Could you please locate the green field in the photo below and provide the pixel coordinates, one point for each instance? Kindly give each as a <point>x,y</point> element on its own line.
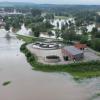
<point>27,39</point>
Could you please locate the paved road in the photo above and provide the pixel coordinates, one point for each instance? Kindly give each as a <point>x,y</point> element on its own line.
<point>90,54</point>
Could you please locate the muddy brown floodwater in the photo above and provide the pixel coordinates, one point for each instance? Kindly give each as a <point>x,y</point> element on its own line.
<point>27,84</point>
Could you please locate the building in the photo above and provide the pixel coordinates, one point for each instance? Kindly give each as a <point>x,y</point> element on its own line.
<point>2,23</point>
<point>72,53</point>
<point>80,46</point>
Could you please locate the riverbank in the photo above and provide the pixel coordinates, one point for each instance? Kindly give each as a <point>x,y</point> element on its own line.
<point>27,39</point>
<point>78,70</point>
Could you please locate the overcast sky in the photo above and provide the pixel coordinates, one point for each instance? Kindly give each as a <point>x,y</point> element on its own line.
<point>59,1</point>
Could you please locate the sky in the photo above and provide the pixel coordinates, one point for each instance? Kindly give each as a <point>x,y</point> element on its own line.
<point>59,1</point>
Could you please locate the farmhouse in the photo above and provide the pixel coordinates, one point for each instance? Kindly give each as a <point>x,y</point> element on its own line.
<point>72,53</point>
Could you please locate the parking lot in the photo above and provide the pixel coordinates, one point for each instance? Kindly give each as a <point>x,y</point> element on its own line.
<point>90,55</point>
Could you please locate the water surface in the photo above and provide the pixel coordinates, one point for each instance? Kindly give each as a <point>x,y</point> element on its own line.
<point>27,84</point>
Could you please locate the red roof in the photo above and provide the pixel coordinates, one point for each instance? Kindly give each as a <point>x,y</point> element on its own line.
<point>80,46</point>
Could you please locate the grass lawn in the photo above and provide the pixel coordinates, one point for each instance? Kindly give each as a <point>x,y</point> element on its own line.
<point>87,74</point>
<point>27,39</point>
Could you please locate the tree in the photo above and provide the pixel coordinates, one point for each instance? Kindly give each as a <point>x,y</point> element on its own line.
<point>94,30</point>
<point>69,35</point>
<point>7,27</point>
<point>49,16</point>
<point>95,44</point>
<point>48,25</point>
<point>36,33</point>
<point>63,27</point>
<point>16,25</point>
<point>13,21</point>
<point>50,33</point>
<point>70,23</point>
<point>41,26</point>
<point>66,24</point>
<point>95,33</point>
<point>36,12</point>
<point>84,30</point>
<point>78,22</point>
<point>57,33</point>
<point>84,39</point>
<point>58,25</point>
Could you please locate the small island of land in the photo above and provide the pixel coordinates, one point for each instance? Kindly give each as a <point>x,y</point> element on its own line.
<point>79,70</point>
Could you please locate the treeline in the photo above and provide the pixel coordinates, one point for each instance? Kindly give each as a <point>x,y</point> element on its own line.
<point>13,21</point>
<point>58,9</point>
<point>34,20</point>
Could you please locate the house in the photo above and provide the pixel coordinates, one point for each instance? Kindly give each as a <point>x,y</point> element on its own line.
<point>72,53</point>
<point>80,46</point>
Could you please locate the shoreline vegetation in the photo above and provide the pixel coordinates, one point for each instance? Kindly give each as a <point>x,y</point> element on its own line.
<point>6,83</point>
<point>77,70</point>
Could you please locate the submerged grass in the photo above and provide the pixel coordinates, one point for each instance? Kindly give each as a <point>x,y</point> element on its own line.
<point>6,83</point>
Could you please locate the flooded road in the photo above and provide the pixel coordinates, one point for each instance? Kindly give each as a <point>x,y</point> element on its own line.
<point>27,84</point>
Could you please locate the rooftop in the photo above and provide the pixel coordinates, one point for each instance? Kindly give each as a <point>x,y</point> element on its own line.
<point>73,50</point>
<point>79,45</point>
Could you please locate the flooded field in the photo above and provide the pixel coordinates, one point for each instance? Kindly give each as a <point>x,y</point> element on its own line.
<point>27,84</point>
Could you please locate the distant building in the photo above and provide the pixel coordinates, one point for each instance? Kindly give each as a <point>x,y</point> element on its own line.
<point>72,53</point>
<point>2,23</point>
<point>13,12</point>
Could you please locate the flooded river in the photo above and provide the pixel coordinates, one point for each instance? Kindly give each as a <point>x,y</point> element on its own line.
<point>27,84</point>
